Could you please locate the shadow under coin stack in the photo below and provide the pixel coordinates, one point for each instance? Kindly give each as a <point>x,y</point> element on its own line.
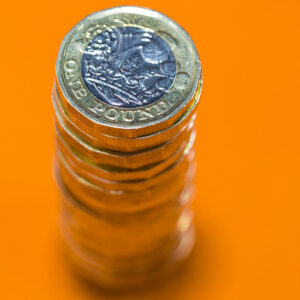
<point>128,81</point>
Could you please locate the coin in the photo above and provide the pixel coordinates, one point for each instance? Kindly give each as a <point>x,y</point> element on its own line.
<point>80,162</point>
<point>126,160</point>
<point>127,72</point>
<point>104,200</point>
<point>131,178</point>
<point>107,186</point>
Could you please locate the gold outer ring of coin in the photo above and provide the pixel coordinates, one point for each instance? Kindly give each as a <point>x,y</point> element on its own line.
<point>78,161</point>
<point>131,161</point>
<point>126,181</point>
<point>125,202</point>
<point>105,141</point>
<point>97,199</point>
<point>84,146</point>
<point>120,159</point>
<point>84,108</point>
<point>137,184</point>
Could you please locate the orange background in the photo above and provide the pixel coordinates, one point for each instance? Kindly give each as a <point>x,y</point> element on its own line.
<point>247,205</point>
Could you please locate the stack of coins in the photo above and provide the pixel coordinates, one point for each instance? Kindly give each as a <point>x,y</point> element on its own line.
<point>128,81</point>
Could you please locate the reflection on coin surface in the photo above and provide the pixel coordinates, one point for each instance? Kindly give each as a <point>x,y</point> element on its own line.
<point>128,67</point>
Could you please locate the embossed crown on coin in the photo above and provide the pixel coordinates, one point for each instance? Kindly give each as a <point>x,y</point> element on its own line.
<point>128,67</point>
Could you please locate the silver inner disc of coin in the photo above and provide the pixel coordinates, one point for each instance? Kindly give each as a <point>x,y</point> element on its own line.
<point>128,67</point>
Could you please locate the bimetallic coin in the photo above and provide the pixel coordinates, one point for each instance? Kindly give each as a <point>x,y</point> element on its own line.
<point>179,167</point>
<point>80,163</point>
<point>121,159</point>
<point>127,72</point>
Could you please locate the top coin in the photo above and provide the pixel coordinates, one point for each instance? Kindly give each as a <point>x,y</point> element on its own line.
<point>127,71</point>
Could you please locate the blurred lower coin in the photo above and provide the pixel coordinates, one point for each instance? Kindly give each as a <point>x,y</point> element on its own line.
<point>91,270</point>
<point>79,162</point>
<point>179,166</point>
